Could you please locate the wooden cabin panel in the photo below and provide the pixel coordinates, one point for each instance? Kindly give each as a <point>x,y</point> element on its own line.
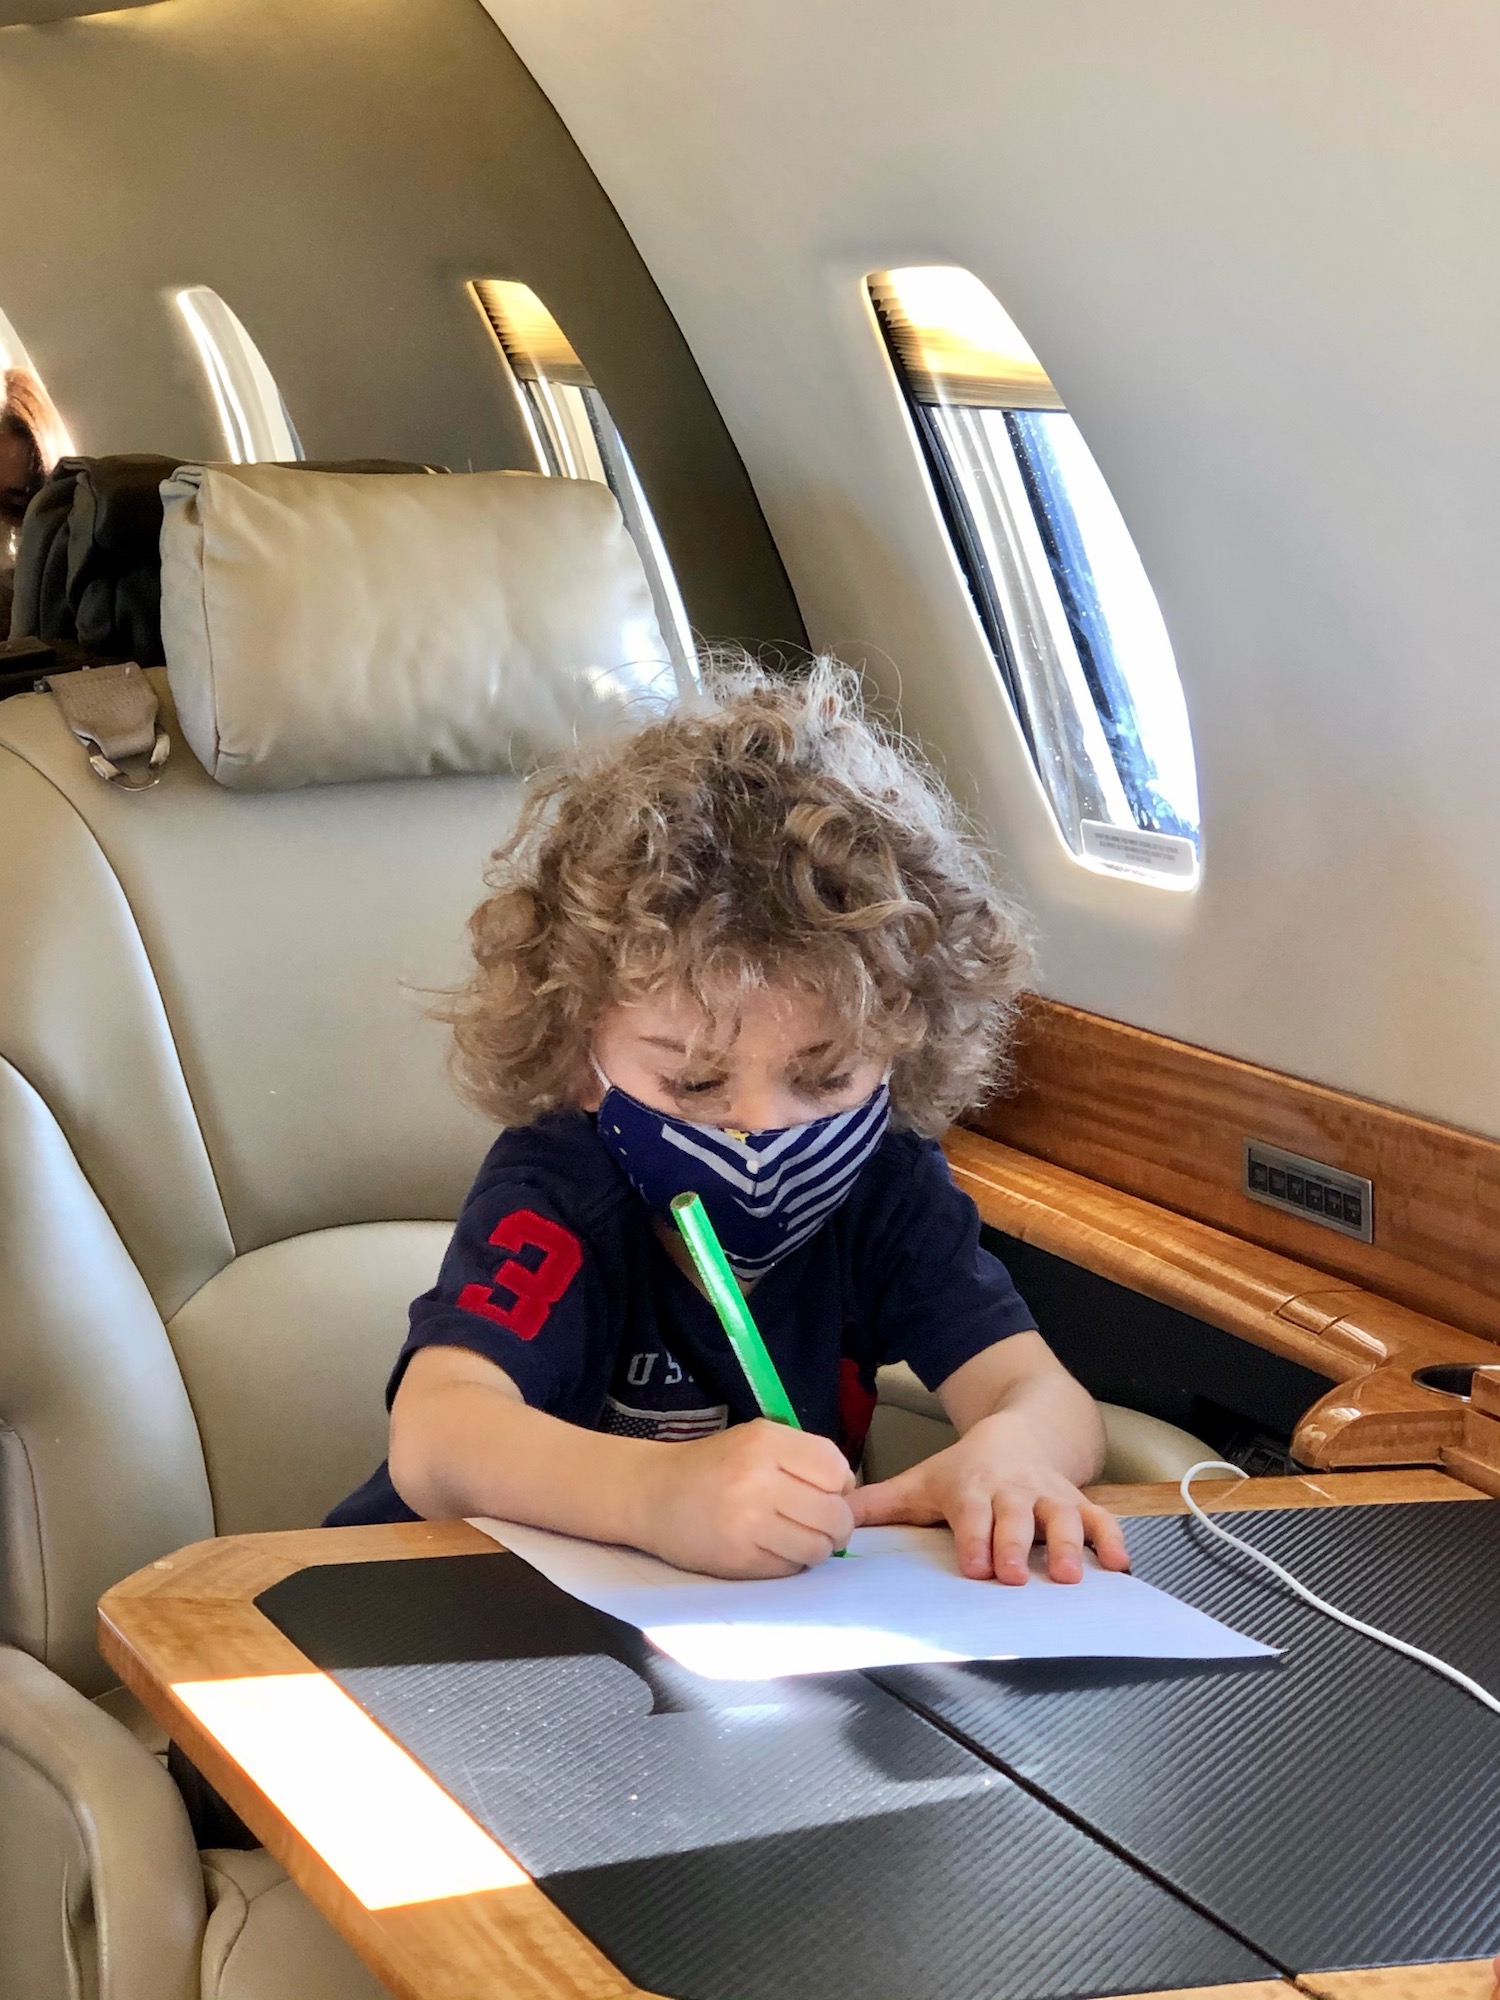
<point>1160,1119</point>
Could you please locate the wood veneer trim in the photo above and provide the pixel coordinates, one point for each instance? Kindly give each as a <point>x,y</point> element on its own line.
<point>191,1617</point>
<point>1165,1121</point>
<point>1465,1979</point>
<point>1367,1346</point>
<point>1247,1496</point>
<point>1474,1467</point>
<point>235,1568</point>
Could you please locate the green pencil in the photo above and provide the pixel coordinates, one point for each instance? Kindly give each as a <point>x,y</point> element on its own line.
<point>728,1302</point>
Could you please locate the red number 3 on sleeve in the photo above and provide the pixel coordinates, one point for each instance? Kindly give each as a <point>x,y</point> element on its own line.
<point>533,1292</point>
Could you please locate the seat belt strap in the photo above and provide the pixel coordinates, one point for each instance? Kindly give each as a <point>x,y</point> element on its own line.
<point>112,711</point>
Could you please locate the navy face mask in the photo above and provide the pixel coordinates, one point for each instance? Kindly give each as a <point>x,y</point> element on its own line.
<point>766,1192</point>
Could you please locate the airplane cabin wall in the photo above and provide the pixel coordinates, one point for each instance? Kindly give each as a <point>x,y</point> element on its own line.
<point>1254,248</point>
<point>337,172</point>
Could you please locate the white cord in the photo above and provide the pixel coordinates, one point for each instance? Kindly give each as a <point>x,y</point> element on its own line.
<point>1396,1645</point>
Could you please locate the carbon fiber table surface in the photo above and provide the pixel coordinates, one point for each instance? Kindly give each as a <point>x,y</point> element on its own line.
<point>800,1840</point>
<point>1337,1808</point>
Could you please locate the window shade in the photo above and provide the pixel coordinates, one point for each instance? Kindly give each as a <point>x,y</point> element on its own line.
<point>956,344</point>
<point>530,338</point>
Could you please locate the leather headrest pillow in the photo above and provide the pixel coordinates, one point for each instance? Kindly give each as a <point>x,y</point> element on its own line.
<point>321,627</point>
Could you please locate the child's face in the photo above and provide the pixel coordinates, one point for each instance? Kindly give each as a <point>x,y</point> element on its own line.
<point>779,1069</point>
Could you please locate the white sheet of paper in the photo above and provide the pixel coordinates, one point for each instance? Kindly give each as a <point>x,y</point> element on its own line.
<point>896,1600</point>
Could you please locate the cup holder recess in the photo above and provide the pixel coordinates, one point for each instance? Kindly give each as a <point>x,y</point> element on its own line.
<point>1448,1377</point>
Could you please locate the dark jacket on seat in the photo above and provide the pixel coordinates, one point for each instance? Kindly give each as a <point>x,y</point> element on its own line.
<point>88,571</point>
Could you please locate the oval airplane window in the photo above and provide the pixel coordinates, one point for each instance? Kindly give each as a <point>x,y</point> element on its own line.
<point>574,437</point>
<point>1056,581</point>
<point>252,412</point>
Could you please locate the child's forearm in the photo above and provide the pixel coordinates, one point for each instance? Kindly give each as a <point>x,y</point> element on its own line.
<point>1020,1387</point>
<point>1059,1422</point>
<point>463,1445</point>
<point>756,1500</point>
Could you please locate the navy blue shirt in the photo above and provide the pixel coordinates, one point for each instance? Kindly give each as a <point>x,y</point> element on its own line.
<point>557,1276</point>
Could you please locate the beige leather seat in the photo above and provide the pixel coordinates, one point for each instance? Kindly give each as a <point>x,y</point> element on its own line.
<point>228,1154</point>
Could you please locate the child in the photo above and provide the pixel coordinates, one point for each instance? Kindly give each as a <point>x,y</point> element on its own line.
<point>748,951</point>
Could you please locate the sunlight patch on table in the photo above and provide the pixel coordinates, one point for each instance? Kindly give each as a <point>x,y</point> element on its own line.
<point>371,1812</point>
<point>751,1652</point>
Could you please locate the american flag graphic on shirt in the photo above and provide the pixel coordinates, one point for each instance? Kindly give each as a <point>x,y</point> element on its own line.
<point>662,1426</point>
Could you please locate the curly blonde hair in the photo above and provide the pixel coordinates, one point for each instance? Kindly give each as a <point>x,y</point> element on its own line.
<point>773,834</point>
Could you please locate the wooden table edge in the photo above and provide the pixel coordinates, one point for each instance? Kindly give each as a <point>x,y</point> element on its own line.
<point>1456,1979</point>
<point>515,1935</point>
<point>1385,1486</point>
<point>211,1585</point>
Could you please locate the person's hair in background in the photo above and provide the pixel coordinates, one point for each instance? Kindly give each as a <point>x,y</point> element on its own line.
<point>32,440</point>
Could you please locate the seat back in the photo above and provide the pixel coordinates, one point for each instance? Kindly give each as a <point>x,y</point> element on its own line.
<point>228,1150</point>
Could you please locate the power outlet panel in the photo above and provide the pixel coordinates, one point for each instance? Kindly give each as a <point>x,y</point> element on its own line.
<point>1325,1195</point>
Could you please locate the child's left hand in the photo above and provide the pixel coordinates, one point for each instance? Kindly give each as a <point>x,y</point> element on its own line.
<point>998,1497</point>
